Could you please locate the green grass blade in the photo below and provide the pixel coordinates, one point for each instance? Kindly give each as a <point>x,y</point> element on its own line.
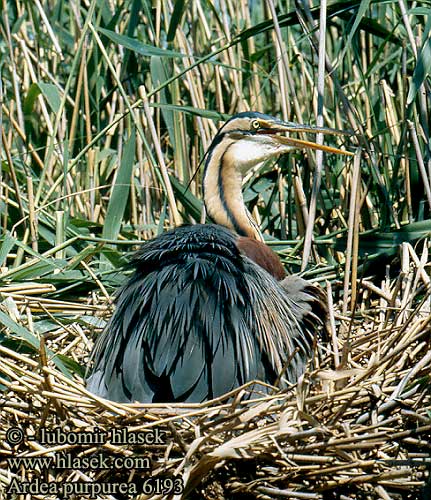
<point>138,47</point>
<point>31,340</point>
<point>120,191</point>
<point>177,15</point>
<point>421,71</point>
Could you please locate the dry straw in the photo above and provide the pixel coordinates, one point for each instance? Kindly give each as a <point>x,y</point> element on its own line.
<point>360,431</point>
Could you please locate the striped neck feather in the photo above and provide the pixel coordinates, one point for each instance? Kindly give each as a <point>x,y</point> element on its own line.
<point>222,187</point>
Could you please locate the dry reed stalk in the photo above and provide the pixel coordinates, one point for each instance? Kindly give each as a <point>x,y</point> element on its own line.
<point>347,440</point>
<point>163,169</point>
<point>351,250</point>
<point>317,179</point>
<point>420,160</point>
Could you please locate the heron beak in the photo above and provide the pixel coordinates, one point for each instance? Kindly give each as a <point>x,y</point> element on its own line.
<point>278,126</point>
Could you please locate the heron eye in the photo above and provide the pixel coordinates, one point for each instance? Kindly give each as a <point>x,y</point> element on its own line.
<point>255,124</point>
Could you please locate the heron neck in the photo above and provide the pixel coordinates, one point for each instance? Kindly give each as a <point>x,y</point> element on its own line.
<point>222,187</point>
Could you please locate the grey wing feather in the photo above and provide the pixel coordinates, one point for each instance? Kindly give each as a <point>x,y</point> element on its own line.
<point>192,324</point>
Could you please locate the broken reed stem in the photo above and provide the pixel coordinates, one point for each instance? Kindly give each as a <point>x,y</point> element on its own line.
<point>59,235</point>
<point>32,215</point>
<point>351,238</point>
<point>332,325</point>
<point>355,243</point>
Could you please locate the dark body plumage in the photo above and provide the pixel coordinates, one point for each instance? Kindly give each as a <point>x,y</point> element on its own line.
<point>184,330</point>
<point>207,308</point>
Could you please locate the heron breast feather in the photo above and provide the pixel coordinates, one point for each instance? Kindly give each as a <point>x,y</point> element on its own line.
<point>262,255</point>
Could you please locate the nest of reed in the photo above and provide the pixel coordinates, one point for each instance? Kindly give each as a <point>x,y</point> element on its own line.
<point>356,426</point>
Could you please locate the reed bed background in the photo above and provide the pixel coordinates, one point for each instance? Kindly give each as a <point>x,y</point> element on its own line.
<point>107,109</point>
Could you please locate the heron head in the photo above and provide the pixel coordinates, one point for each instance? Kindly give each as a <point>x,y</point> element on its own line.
<point>254,137</point>
<point>245,141</point>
